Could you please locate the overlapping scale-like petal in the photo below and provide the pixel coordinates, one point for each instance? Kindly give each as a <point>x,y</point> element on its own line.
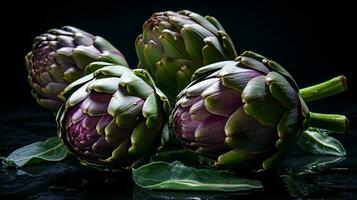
<point>60,57</point>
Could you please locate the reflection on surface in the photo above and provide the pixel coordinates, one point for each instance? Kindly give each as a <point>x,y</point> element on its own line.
<point>143,194</point>
<point>304,177</point>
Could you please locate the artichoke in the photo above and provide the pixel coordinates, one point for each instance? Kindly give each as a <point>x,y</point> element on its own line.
<point>113,118</point>
<point>59,57</point>
<point>174,44</point>
<point>246,113</point>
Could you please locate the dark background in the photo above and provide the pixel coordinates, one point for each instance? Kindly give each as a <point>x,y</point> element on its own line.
<point>315,41</point>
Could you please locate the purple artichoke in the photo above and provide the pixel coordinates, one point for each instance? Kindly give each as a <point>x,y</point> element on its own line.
<point>59,57</point>
<point>245,113</point>
<point>113,118</point>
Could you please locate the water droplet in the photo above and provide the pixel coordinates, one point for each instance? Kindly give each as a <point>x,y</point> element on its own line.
<point>17,154</point>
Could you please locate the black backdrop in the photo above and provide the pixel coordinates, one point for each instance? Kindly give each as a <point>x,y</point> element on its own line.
<point>314,41</point>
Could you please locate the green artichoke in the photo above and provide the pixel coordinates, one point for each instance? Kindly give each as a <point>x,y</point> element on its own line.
<point>113,118</point>
<point>59,57</point>
<point>174,44</point>
<point>246,113</point>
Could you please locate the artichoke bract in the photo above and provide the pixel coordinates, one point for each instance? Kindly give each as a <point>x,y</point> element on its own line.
<point>59,57</point>
<point>245,113</point>
<point>174,44</point>
<point>113,118</point>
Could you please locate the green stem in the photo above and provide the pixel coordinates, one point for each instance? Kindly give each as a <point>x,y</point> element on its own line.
<point>324,89</point>
<point>332,122</point>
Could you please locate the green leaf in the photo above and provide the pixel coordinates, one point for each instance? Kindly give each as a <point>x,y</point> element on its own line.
<point>51,150</point>
<point>317,141</point>
<point>176,176</point>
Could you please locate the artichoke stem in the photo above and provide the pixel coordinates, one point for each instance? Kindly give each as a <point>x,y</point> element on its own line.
<point>324,89</point>
<point>332,122</point>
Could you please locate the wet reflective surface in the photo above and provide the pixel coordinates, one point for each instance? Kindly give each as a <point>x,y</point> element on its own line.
<point>309,176</point>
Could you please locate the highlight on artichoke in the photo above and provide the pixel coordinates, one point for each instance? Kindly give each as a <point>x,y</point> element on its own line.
<point>227,111</point>
<point>246,113</point>
<point>113,118</point>
<point>174,44</point>
<point>59,57</point>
